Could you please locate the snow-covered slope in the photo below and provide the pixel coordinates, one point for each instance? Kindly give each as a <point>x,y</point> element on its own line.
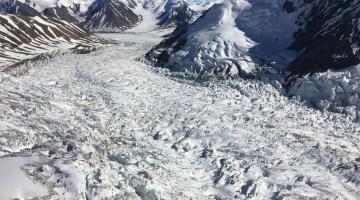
<point>41,5</point>
<point>228,39</point>
<point>157,14</point>
<point>23,38</point>
<point>235,35</point>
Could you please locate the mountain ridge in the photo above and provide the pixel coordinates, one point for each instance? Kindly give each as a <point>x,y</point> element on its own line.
<point>97,15</point>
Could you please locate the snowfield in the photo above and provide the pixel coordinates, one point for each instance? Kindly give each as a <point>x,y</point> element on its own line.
<point>107,125</point>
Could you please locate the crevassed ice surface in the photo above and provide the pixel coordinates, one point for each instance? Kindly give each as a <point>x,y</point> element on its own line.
<point>106,125</point>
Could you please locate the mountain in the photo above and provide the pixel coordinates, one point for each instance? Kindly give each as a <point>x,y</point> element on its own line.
<point>25,38</point>
<point>199,47</point>
<point>107,15</point>
<point>234,36</point>
<point>97,15</point>
<point>175,13</point>
<point>328,36</point>
<point>157,14</point>
<point>61,13</point>
<point>17,8</point>
<point>225,40</point>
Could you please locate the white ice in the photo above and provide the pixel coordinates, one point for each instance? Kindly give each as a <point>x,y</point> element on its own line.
<point>112,126</point>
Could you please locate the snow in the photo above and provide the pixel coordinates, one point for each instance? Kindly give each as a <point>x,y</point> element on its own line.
<point>143,37</point>
<point>148,22</point>
<point>74,181</point>
<point>41,5</point>
<point>212,39</point>
<point>233,37</point>
<point>108,125</point>
<point>14,183</point>
<point>202,5</point>
<point>42,21</point>
<point>151,12</point>
<point>337,91</point>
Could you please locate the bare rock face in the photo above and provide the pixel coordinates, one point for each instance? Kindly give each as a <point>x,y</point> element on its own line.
<point>328,36</point>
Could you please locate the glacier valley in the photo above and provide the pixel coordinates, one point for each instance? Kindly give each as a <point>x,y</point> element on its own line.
<point>107,125</point>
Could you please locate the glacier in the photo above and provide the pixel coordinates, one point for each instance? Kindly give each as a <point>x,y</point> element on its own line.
<point>108,125</point>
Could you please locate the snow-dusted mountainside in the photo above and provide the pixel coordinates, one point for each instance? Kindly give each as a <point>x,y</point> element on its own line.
<point>24,38</point>
<point>107,15</point>
<point>110,15</point>
<point>159,14</point>
<point>97,15</point>
<point>175,13</point>
<point>235,35</point>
